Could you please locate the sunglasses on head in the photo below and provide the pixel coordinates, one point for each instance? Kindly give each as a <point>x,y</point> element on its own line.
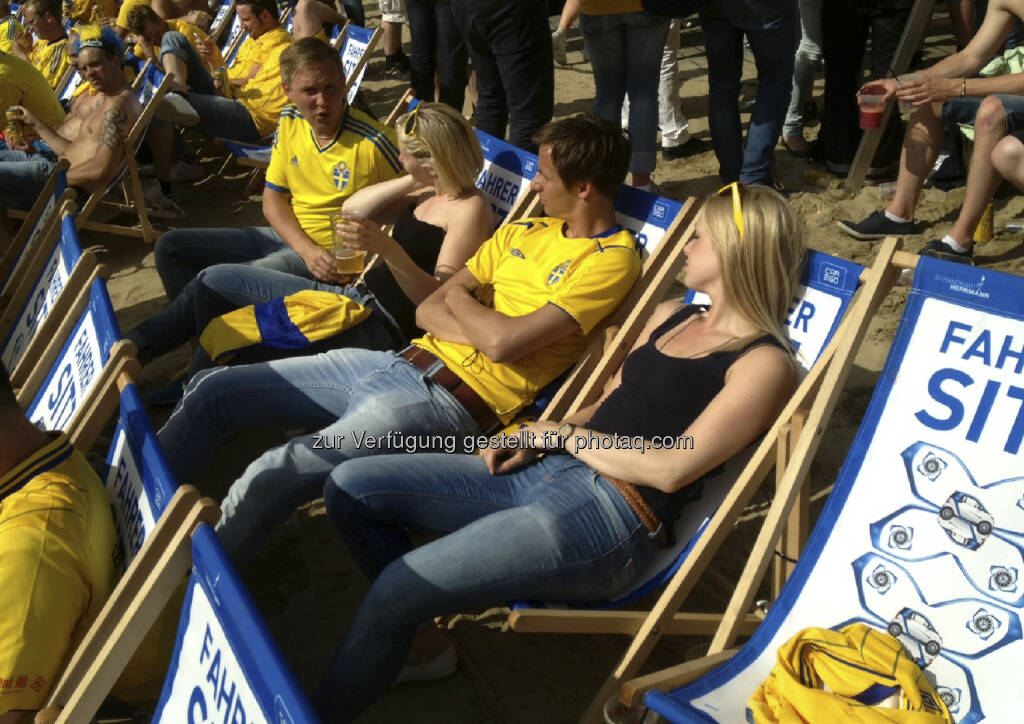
<point>737,207</point>
<point>410,122</point>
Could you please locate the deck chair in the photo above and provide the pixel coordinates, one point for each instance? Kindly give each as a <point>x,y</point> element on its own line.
<point>72,386</point>
<point>921,536</point>
<point>820,301</point>
<point>221,19</point>
<point>150,86</point>
<point>506,174</point>
<point>57,278</point>
<point>34,222</point>
<point>788,445</point>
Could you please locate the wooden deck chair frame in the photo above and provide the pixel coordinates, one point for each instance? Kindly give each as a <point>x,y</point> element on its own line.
<point>129,179</point>
<point>31,217</point>
<point>136,602</point>
<point>216,32</point>
<point>339,41</point>
<point>401,106</point>
<point>27,263</point>
<point>371,46</point>
<point>791,442</point>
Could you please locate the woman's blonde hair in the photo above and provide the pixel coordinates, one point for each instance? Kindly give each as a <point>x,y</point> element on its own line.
<point>443,140</point>
<point>761,271</point>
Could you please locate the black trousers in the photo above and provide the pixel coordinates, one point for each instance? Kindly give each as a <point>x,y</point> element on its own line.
<point>509,44</point>
<point>437,43</point>
<point>845,29</point>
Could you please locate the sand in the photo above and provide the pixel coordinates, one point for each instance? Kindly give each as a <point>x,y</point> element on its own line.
<point>304,582</point>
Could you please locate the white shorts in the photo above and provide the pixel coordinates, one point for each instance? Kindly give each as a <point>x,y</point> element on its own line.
<point>393,11</point>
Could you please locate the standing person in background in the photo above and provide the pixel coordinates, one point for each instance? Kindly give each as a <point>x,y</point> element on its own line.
<point>570,11</point>
<point>625,45</point>
<point>392,13</point>
<point>10,28</point>
<point>770,27</point>
<point>509,46</point>
<point>436,43</point>
<point>808,57</point>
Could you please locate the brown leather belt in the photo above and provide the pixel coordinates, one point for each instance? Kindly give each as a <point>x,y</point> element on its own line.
<point>655,527</point>
<point>466,395</point>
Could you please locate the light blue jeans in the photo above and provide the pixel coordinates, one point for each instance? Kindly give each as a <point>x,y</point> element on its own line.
<point>221,117</point>
<point>22,176</point>
<point>625,51</point>
<point>348,394</point>
<point>808,57</point>
<point>554,530</point>
<point>199,78</point>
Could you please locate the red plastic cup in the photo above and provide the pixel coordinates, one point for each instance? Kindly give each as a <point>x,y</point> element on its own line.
<point>871,109</point>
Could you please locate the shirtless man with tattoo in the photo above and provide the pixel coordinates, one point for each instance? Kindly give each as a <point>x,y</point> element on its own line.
<point>91,138</point>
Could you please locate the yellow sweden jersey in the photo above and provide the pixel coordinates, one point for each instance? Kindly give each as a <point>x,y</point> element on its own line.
<point>320,179</point>
<point>92,12</point>
<point>57,545</point>
<point>263,95</point>
<point>531,263</point>
<point>51,59</point>
<point>21,83</point>
<point>9,28</point>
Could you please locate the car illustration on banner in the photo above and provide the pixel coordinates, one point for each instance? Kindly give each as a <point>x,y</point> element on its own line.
<point>965,520</point>
<point>917,635</point>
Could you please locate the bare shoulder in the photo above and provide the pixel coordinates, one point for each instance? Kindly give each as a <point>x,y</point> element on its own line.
<point>764,364</point>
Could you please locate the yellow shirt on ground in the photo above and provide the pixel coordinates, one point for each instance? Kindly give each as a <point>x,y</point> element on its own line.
<point>263,95</point>
<point>57,548</point>
<point>50,59</point>
<point>320,179</point>
<point>92,12</point>
<point>22,84</point>
<point>531,263</point>
<point>9,29</point>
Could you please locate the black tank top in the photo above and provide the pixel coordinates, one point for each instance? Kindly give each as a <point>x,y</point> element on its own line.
<point>661,395</point>
<point>422,242</point>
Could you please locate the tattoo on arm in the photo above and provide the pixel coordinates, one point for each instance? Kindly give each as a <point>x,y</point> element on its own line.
<point>114,122</point>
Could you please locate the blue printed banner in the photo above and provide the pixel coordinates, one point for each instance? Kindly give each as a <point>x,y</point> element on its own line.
<point>648,216</point>
<point>923,534</point>
<point>225,666</point>
<point>506,174</point>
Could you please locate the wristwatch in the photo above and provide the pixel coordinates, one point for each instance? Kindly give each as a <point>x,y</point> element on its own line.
<point>565,431</point>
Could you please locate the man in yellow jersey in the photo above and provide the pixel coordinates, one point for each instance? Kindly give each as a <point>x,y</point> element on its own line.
<point>57,547</point>
<point>47,53</point>
<point>550,281</point>
<point>174,46</point>
<point>10,28</point>
<point>21,84</point>
<point>255,77</point>
<point>166,9</point>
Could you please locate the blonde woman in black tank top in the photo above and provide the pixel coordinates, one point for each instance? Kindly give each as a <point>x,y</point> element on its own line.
<point>577,523</point>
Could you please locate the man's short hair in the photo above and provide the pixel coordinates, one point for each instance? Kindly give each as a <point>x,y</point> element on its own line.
<point>303,52</point>
<point>258,6</point>
<point>45,6</point>
<point>138,17</point>
<point>587,148</point>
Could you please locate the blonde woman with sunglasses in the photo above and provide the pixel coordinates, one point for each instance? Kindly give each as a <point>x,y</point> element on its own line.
<point>577,514</point>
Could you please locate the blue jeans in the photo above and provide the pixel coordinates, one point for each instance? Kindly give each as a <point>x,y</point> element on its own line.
<point>625,50</point>
<point>808,57</point>
<point>554,530</point>
<point>22,177</point>
<point>182,253</point>
<point>509,44</point>
<point>965,110</point>
<point>769,26</point>
<point>199,78</point>
<point>223,288</point>
<point>436,42</point>
<point>345,393</point>
<point>221,117</point>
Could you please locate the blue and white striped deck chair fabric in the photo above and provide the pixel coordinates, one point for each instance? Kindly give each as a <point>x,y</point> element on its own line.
<point>74,79</point>
<point>357,41</point>
<point>226,666</point>
<point>229,48</point>
<point>77,368</point>
<point>138,480</point>
<point>647,215</point>
<point>37,227</point>
<point>923,533</point>
<point>220,18</point>
<point>506,174</point>
<point>827,287</point>
<point>47,288</point>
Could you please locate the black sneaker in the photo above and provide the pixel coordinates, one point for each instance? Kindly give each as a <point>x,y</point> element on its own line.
<point>941,250</point>
<point>876,226</point>
<point>397,64</point>
<point>692,147</point>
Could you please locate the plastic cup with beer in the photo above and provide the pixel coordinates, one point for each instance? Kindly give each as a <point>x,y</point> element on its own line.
<point>349,259</point>
<point>901,80</point>
<point>872,105</point>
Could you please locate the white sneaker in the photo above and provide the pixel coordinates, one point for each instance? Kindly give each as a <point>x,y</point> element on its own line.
<point>558,42</point>
<point>158,205</point>
<point>173,108</point>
